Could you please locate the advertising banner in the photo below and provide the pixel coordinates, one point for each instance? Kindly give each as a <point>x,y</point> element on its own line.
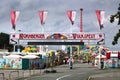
<point>14,38</point>
<point>60,36</point>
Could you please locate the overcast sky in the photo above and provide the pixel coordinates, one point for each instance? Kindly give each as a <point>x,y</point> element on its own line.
<point>57,20</point>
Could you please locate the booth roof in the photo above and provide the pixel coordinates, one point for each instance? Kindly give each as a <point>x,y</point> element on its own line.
<point>30,56</point>
<point>12,56</point>
<point>114,55</point>
<point>100,56</point>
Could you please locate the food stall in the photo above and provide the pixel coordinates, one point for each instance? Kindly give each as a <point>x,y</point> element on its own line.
<point>31,61</point>
<point>16,61</point>
<point>98,58</point>
<point>13,61</point>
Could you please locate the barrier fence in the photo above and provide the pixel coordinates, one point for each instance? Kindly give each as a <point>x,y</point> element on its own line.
<point>18,74</point>
<point>2,74</point>
<point>10,75</point>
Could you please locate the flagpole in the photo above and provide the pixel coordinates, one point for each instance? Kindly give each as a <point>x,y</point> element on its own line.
<point>43,40</point>
<point>71,45</point>
<point>71,15</point>
<point>100,18</point>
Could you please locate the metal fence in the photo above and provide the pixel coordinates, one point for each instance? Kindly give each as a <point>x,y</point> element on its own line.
<point>18,74</point>
<point>2,76</point>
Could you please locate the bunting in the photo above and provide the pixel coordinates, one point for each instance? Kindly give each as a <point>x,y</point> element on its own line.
<point>43,15</point>
<point>100,17</point>
<point>71,15</point>
<point>14,16</point>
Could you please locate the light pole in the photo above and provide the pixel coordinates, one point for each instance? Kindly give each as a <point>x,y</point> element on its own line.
<point>47,55</point>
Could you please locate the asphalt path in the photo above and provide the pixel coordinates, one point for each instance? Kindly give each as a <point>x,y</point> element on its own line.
<point>80,71</point>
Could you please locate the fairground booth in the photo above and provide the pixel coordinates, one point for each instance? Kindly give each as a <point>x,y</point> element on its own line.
<point>113,59</point>
<point>19,61</point>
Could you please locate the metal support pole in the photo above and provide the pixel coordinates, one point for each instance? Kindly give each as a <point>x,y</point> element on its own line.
<point>81,30</point>
<point>100,48</point>
<point>81,9</point>
<point>14,48</point>
<point>19,42</point>
<point>47,59</point>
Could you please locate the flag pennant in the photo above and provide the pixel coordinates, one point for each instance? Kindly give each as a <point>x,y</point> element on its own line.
<point>100,17</point>
<point>43,15</point>
<point>14,16</point>
<point>71,15</point>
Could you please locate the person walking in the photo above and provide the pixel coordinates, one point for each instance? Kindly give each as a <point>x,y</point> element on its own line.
<point>102,64</point>
<point>70,63</point>
<point>88,61</point>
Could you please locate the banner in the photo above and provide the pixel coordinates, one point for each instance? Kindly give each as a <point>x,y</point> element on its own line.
<point>14,16</point>
<point>71,15</point>
<point>43,15</point>
<point>60,36</point>
<point>100,17</point>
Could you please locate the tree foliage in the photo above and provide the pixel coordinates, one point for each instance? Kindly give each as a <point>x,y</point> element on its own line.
<point>112,19</point>
<point>4,42</point>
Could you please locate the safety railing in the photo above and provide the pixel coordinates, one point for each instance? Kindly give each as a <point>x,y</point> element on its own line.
<point>3,76</point>
<point>12,73</point>
<point>19,74</point>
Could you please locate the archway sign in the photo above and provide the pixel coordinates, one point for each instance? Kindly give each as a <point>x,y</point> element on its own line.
<point>56,38</point>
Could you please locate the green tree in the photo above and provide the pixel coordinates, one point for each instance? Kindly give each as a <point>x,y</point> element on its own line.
<point>4,40</point>
<point>4,43</point>
<point>112,19</point>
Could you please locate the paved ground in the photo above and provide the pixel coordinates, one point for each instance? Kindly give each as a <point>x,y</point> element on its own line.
<point>106,74</point>
<point>80,71</point>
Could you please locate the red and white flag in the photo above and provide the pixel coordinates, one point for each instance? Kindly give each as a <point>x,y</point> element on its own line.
<point>71,15</point>
<point>43,15</point>
<point>100,17</point>
<point>14,16</point>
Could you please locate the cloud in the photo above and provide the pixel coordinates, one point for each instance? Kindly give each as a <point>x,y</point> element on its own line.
<point>57,20</point>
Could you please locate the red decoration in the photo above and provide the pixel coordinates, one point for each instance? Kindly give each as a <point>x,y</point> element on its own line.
<point>71,15</point>
<point>14,16</point>
<point>108,55</point>
<point>43,15</point>
<point>100,17</point>
<point>118,54</point>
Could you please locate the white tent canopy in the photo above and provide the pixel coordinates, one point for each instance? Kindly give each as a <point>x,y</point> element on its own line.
<point>12,56</point>
<point>30,57</point>
<point>100,56</point>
